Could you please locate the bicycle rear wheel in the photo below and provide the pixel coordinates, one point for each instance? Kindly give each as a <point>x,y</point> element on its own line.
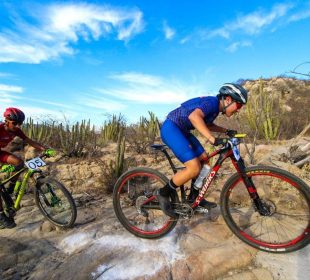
<point>55,202</point>
<point>287,226</point>
<point>131,191</point>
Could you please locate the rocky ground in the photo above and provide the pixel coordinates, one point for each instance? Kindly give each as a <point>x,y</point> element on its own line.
<point>98,247</point>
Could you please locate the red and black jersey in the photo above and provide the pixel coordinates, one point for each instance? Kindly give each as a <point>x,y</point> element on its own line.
<point>7,136</point>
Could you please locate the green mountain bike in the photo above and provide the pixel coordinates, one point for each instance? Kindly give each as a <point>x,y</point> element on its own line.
<point>53,199</point>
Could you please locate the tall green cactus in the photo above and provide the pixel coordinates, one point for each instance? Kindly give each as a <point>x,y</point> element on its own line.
<point>112,128</point>
<point>149,127</point>
<point>39,132</point>
<point>114,169</point>
<point>120,155</point>
<point>76,138</point>
<point>144,133</point>
<point>262,114</point>
<point>271,121</point>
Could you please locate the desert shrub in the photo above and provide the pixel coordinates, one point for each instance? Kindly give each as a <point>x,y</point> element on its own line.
<point>78,140</point>
<point>113,169</point>
<point>140,136</point>
<point>40,132</point>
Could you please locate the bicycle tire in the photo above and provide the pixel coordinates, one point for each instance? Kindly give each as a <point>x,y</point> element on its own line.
<point>140,181</point>
<point>287,228</point>
<point>55,202</point>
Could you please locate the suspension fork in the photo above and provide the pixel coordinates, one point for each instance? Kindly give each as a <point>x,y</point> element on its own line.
<point>22,189</point>
<point>240,166</point>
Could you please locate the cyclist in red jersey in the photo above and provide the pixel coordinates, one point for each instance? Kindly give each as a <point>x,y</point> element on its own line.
<point>8,131</point>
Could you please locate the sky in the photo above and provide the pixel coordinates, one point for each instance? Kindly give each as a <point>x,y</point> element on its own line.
<point>74,60</point>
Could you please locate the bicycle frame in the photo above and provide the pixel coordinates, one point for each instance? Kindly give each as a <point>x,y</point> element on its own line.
<point>237,161</point>
<point>21,189</point>
<point>223,153</point>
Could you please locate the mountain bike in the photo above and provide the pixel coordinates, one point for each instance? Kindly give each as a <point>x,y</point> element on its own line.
<point>52,198</point>
<point>266,207</point>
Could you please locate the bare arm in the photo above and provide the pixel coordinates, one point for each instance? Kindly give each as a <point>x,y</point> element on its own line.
<point>196,118</point>
<point>35,144</point>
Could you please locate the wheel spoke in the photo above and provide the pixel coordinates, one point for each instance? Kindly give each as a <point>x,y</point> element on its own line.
<point>288,219</point>
<point>56,203</point>
<point>137,208</point>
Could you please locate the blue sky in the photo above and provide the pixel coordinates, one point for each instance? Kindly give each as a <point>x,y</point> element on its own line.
<point>90,59</point>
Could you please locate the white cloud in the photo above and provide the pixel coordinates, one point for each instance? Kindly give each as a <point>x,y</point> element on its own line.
<point>55,104</point>
<point>185,40</point>
<point>9,93</point>
<point>10,89</point>
<point>42,114</point>
<point>99,102</point>
<point>168,31</point>
<point>299,16</point>
<point>252,23</point>
<point>5,75</point>
<point>146,89</point>
<point>222,32</point>
<point>62,26</point>
<point>137,78</point>
<point>236,45</point>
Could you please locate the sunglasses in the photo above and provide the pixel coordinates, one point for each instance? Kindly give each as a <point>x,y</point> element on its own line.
<point>12,122</point>
<point>239,105</point>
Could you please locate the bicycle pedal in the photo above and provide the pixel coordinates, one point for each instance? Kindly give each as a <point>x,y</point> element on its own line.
<point>201,210</point>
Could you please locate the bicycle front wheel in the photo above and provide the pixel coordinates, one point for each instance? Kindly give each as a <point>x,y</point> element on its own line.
<point>286,228</point>
<point>132,192</point>
<point>55,202</point>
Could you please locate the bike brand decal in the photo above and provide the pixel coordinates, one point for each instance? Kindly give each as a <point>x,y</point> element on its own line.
<point>273,250</point>
<point>207,183</point>
<point>251,190</point>
<point>258,171</point>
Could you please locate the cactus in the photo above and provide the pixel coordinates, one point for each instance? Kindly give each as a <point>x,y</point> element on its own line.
<point>144,133</point>
<point>114,169</point>
<point>262,115</point>
<point>76,139</point>
<point>112,128</point>
<point>120,155</point>
<point>39,132</point>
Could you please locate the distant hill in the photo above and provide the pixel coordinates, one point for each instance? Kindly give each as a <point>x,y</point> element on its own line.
<point>293,97</point>
<point>294,93</point>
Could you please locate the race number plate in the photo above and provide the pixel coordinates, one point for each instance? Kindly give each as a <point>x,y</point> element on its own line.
<point>35,163</point>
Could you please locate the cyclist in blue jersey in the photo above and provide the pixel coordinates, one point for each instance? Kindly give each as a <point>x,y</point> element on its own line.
<point>197,113</point>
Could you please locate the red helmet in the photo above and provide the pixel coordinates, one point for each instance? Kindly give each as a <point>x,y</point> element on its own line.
<point>14,114</point>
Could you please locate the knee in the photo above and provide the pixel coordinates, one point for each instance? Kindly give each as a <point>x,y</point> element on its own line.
<point>19,166</point>
<point>14,160</point>
<point>194,170</point>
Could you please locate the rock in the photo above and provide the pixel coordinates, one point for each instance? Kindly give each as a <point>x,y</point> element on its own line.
<point>30,152</point>
<point>28,202</point>
<point>47,227</point>
<point>255,274</point>
<point>29,254</point>
<point>8,261</point>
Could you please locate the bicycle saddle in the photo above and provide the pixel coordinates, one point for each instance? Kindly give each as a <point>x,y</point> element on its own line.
<point>159,147</point>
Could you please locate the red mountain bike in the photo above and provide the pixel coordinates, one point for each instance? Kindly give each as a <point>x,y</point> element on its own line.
<point>266,207</point>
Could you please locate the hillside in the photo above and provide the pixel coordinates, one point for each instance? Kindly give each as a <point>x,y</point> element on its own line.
<point>289,106</point>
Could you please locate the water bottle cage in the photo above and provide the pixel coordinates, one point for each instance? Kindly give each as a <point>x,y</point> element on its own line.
<point>201,177</point>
